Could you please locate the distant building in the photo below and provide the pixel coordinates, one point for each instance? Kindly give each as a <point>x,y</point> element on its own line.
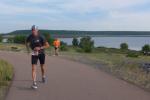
<point>5,38</point>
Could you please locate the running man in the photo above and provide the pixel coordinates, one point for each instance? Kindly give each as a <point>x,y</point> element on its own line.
<point>37,43</point>
<point>56,44</point>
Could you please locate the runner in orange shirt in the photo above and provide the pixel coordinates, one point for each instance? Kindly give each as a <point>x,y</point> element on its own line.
<point>56,44</point>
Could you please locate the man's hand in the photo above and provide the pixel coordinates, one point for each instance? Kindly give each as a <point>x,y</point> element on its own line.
<point>46,45</point>
<point>37,48</point>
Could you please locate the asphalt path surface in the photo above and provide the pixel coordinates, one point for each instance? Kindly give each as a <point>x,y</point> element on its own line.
<point>67,80</point>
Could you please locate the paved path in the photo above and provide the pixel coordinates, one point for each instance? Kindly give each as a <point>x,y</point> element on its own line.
<point>68,80</point>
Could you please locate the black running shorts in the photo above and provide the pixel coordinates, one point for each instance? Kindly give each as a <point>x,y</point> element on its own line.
<point>40,57</point>
<point>56,48</point>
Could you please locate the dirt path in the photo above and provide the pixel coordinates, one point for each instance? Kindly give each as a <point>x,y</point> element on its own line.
<point>67,80</point>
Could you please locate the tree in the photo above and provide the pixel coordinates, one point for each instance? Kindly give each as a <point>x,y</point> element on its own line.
<point>63,46</point>
<point>75,42</point>
<point>48,38</point>
<point>1,38</point>
<point>124,46</point>
<point>86,44</point>
<point>146,49</point>
<point>20,39</point>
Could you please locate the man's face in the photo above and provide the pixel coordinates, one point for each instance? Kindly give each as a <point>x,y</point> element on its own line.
<point>35,32</point>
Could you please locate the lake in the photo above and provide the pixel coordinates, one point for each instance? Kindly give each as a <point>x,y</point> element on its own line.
<point>135,43</point>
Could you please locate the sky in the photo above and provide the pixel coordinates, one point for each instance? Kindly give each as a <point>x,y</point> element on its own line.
<point>90,15</point>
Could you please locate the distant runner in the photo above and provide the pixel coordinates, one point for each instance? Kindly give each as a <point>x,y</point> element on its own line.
<point>37,43</point>
<point>56,44</point>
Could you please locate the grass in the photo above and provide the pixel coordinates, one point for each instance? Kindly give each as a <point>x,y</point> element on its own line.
<point>6,74</point>
<point>11,47</point>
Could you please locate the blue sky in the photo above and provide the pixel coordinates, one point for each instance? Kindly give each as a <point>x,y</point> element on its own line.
<point>95,15</point>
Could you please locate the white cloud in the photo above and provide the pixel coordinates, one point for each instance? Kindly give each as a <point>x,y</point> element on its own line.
<point>13,10</point>
<point>36,1</point>
<point>57,14</point>
<point>88,5</point>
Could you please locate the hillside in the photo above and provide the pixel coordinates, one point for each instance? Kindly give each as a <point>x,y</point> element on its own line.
<point>64,33</point>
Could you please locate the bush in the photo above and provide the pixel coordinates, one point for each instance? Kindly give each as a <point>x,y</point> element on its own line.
<point>124,46</point>
<point>48,38</point>
<point>1,38</point>
<point>146,49</point>
<point>75,42</point>
<point>63,46</point>
<point>133,55</point>
<point>86,44</point>
<point>20,39</point>
<point>50,41</point>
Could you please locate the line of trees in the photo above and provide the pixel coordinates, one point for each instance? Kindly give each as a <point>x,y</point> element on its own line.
<point>22,38</point>
<point>86,44</point>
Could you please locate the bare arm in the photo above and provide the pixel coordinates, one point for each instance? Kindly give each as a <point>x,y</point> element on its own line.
<point>46,45</point>
<point>27,46</point>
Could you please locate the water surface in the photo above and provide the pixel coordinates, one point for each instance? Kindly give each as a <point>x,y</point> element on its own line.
<point>135,43</point>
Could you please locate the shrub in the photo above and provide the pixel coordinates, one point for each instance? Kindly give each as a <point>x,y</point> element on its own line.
<point>47,36</point>
<point>1,38</point>
<point>63,46</point>
<point>86,44</point>
<point>146,49</point>
<point>75,42</point>
<point>50,41</point>
<point>124,46</point>
<point>133,55</point>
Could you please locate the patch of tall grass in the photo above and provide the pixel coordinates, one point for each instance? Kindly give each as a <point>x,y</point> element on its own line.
<point>6,74</point>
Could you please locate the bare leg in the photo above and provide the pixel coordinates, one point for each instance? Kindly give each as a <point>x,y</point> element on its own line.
<point>34,73</point>
<point>43,73</point>
<point>57,50</point>
<point>43,70</point>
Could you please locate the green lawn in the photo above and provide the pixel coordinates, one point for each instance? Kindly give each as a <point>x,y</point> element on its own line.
<point>11,47</point>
